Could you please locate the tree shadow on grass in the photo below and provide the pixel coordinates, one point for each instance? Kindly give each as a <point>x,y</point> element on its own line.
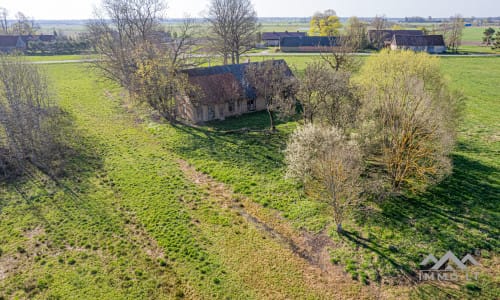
<point>373,247</point>
<point>257,152</point>
<point>460,214</point>
<point>73,160</point>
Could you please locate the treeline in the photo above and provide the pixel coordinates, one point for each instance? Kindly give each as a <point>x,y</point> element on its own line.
<point>61,46</point>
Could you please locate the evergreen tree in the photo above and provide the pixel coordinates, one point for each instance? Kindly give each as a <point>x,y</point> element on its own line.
<point>496,44</point>
<point>488,36</point>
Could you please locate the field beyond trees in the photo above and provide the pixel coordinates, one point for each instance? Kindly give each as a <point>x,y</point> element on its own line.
<point>149,210</point>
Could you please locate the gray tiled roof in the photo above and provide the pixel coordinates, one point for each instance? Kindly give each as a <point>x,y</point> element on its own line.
<point>309,41</point>
<point>388,34</point>
<point>419,40</point>
<point>278,35</point>
<point>8,40</point>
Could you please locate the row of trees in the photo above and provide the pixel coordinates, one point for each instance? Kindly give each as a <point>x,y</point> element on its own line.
<point>387,131</point>
<point>62,46</point>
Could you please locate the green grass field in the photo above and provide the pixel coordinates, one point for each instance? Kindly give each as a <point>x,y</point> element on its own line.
<point>127,222</point>
<point>36,58</point>
<point>475,34</point>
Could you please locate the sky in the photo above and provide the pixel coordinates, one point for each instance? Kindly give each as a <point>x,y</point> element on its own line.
<point>82,9</point>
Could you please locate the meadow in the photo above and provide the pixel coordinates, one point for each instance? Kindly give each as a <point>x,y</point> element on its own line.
<point>129,222</point>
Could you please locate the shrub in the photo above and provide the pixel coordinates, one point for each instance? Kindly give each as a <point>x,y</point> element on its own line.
<point>328,164</point>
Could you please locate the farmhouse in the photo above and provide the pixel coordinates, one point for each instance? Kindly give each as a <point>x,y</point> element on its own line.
<point>272,39</point>
<point>429,43</point>
<point>220,92</point>
<point>385,36</point>
<point>308,44</point>
<point>11,43</point>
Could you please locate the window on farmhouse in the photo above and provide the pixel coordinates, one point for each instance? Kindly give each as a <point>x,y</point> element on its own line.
<point>251,105</point>
<point>211,112</point>
<point>230,107</point>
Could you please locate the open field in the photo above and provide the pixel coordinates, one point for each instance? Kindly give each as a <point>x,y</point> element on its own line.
<point>136,217</point>
<point>475,34</point>
<point>49,58</point>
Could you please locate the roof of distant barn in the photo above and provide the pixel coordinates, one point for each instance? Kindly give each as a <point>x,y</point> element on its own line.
<point>8,40</point>
<point>278,35</point>
<point>419,40</point>
<point>309,41</point>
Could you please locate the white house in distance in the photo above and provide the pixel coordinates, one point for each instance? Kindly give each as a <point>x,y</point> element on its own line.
<point>433,44</point>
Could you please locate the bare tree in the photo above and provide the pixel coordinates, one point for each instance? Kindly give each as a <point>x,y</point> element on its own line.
<point>233,25</point>
<point>4,24</point>
<point>119,30</point>
<point>453,32</point>
<point>355,31</point>
<point>314,90</point>
<point>181,50</point>
<point>219,20</point>
<point>379,23</point>
<point>28,117</point>
<point>24,25</point>
<point>328,164</point>
<point>340,57</point>
<point>158,82</point>
<point>327,96</point>
<point>273,81</point>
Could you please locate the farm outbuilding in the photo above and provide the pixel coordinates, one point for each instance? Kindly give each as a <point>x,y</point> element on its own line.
<point>272,39</point>
<point>433,44</point>
<point>12,43</point>
<point>384,37</point>
<point>308,44</point>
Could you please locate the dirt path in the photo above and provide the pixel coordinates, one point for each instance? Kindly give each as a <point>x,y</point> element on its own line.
<point>312,250</point>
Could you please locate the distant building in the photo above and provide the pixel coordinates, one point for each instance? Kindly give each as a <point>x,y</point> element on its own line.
<point>308,44</point>
<point>12,43</point>
<point>429,43</point>
<point>47,38</point>
<point>272,39</point>
<point>222,91</point>
<point>383,38</point>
